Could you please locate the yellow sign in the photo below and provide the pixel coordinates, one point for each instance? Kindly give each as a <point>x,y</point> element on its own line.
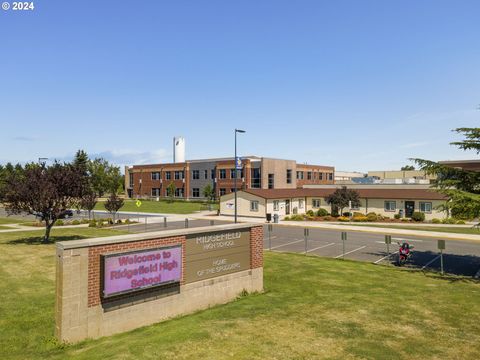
<point>138,203</point>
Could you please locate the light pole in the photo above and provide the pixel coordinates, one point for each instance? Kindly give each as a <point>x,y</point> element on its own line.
<point>235,181</point>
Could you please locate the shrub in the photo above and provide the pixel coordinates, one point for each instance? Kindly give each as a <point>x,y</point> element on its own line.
<point>59,223</point>
<point>460,222</point>
<point>76,222</point>
<point>418,216</point>
<point>356,213</point>
<point>436,221</point>
<point>346,214</point>
<point>119,221</point>
<point>85,221</point>
<point>285,218</point>
<point>397,216</point>
<point>372,217</point>
<point>297,217</point>
<point>322,212</point>
<point>448,221</point>
<point>92,223</point>
<point>310,213</point>
<point>405,219</point>
<point>328,218</point>
<point>127,221</point>
<point>360,218</point>
<point>343,219</point>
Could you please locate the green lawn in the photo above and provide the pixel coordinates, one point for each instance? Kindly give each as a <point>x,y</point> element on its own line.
<point>175,207</point>
<point>5,227</point>
<point>458,230</point>
<point>312,308</point>
<point>12,220</point>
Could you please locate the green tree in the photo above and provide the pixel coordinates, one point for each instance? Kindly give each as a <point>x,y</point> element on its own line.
<point>462,187</point>
<point>171,191</point>
<point>341,198</point>
<point>407,168</point>
<point>209,193</point>
<point>113,204</point>
<point>104,177</point>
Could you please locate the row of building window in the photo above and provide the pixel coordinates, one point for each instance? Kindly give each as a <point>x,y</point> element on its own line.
<point>313,175</point>
<point>177,175</point>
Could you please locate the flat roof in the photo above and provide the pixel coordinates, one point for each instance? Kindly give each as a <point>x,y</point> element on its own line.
<point>417,194</point>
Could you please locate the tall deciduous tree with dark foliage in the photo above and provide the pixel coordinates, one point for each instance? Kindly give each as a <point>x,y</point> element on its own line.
<point>45,191</point>
<point>340,199</point>
<point>462,187</point>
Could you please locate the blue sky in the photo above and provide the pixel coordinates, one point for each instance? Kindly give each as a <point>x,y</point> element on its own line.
<point>360,85</point>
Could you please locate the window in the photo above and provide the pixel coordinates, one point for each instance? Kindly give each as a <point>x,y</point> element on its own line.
<point>205,174</point>
<point>299,175</point>
<point>390,205</point>
<point>330,176</point>
<point>196,174</point>
<point>213,173</point>
<point>223,191</point>
<point>155,175</point>
<point>253,205</point>
<point>300,203</point>
<point>271,181</point>
<point>320,176</point>
<point>130,176</point>
<point>276,205</point>
<point>178,175</point>
<point>232,173</point>
<point>289,176</point>
<point>426,207</point>
<point>316,203</point>
<point>309,175</point>
<point>179,192</point>
<point>223,174</point>
<point>256,178</point>
<point>232,190</point>
<point>155,192</point>
<point>168,175</point>
<point>195,192</point>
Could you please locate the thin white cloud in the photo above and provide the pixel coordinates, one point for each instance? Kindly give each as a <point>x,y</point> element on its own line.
<point>414,145</point>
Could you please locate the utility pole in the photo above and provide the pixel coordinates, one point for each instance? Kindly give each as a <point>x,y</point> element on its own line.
<point>236,166</point>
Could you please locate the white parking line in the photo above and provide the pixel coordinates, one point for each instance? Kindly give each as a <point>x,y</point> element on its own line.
<point>321,247</point>
<point>407,240</point>
<point>271,237</point>
<point>383,258</point>
<point>290,243</point>
<point>431,261</point>
<point>349,252</point>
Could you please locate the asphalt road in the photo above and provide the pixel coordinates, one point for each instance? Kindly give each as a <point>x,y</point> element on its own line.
<point>460,257</point>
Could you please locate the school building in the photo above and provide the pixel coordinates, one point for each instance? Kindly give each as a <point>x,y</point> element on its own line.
<point>189,178</point>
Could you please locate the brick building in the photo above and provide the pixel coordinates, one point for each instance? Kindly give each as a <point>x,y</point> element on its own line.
<point>192,176</point>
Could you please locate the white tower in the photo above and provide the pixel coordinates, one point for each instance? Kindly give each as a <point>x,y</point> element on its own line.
<point>178,149</point>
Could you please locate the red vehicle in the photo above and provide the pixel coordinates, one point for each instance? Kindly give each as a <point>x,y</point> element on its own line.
<point>404,252</point>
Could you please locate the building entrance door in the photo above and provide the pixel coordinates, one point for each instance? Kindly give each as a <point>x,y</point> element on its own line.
<point>287,207</point>
<point>409,208</point>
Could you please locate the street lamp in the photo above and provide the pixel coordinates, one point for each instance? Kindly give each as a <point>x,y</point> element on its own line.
<point>235,182</point>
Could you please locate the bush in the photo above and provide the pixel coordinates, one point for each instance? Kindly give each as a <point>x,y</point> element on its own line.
<point>297,217</point>
<point>59,223</point>
<point>418,216</point>
<point>310,213</point>
<point>322,212</point>
<point>449,221</point>
<point>436,221</point>
<point>85,221</point>
<point>92,223</point>
<point>346,214</point>
<point>372,217</point>
<point>119,221</point>
<point>127,221</point>
<point>397,216</point>
<point>360,218</point>
<point>76,222</point>
<point>356,213</point>
<point>285,218</point>
<point>460,222</point>
<point>343,219</point>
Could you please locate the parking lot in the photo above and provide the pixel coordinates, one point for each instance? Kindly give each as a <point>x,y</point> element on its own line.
<point>460,257</point>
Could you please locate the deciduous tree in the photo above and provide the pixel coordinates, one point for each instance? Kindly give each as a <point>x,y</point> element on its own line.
<point>340,199</point>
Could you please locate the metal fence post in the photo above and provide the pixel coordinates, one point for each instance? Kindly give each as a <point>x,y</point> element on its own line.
<point>212,222</point>
<point>305,234</point>
<point>344,238</point>
<point>270,228</point>
<point>165,221</point>
<point>186,223</point>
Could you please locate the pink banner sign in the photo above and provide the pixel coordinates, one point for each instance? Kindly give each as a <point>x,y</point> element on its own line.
<point>137,270</point>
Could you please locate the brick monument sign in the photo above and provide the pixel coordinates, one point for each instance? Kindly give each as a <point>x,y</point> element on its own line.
<point>114,284</point>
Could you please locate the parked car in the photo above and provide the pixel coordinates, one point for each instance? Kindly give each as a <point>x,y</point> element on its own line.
<point>66,214</point>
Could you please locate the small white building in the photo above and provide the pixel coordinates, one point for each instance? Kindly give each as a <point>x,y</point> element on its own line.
<point>284,202</point>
